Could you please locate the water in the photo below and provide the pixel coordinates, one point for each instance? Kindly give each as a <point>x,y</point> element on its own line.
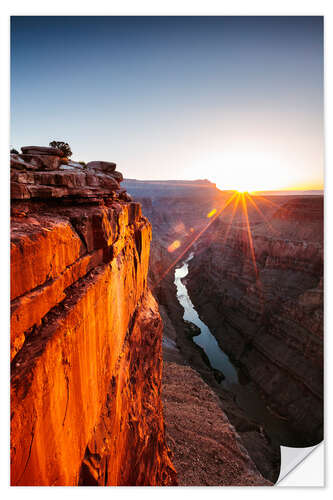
<point>217,358</point>
<point>246,396</point>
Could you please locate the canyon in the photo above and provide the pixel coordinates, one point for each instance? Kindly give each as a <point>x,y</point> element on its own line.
<point>89,404</point>
<point>267,312</point>
<point>256,280</point>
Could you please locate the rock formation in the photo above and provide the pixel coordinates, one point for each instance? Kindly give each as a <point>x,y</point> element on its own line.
<point>43,173</point>
<point>85,331</point>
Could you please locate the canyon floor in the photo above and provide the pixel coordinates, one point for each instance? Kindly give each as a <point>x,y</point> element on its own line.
<point>206,448</point>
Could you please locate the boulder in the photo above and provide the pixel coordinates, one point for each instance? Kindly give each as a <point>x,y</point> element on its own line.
<point>41,150</point>
<point>19,163</point>
<point>104,166</point>
<point>108,182</point>
<point>43,161</point>
<point>125,197</point>
<point>75,164</point>
<point>118,176</point>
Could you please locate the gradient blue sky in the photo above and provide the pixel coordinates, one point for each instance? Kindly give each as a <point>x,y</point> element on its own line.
<point>238,100</point>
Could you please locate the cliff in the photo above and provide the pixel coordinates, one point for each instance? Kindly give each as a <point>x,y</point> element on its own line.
<point>85,330</point>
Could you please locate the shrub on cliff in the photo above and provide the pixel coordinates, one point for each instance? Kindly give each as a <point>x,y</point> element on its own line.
<point>63,146</point>
<point>83,163</point>
<point>14,151</point>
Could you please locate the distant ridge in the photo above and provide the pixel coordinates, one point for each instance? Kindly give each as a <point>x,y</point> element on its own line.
<point>310,192</point>
<point>205,182</point>
<point>169,188</point>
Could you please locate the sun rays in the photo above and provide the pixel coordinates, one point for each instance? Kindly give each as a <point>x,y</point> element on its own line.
<point>238,200</point>
<point>248,227</point>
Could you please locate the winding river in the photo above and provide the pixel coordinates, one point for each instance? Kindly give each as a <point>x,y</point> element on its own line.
<point>246,396</point>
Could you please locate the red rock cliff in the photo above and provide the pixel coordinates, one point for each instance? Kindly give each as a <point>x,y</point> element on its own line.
<point>85,333</point>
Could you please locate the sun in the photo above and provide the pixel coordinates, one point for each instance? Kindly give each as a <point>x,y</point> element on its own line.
<point>246,171</point>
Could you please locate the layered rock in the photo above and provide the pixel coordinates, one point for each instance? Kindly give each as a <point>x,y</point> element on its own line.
<point>265,306</point>
<point>43,173</point>
<point>42,150</point>
<point>85,340</point>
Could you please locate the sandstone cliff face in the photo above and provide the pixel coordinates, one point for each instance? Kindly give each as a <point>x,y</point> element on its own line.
<point>85,344</point>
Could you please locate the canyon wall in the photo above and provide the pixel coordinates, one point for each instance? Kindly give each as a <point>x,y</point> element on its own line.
<point>263,300</point>
<point>85,332</point>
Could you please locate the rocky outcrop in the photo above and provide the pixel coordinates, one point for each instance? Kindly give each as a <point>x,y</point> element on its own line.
<point>85,337</point>
<point>42,150</point>
<point>206,449</point>
<point>43,176</point>
<point>104,166</point>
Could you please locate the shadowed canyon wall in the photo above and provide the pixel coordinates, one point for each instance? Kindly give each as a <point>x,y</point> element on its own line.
<point>265,307</point>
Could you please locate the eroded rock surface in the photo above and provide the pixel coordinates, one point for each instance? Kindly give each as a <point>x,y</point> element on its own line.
<point>43,173</point>
<point>85,338</point>
<point>206,449</point>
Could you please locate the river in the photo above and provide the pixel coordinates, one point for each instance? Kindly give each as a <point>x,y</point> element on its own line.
<point>245,393</point>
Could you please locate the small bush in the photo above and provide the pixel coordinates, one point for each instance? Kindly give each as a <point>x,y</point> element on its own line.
<point>63,146</point>
<point>14,152</point>
<point>83,163</point>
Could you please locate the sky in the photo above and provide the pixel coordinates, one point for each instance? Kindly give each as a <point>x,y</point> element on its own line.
<point>236,100</point>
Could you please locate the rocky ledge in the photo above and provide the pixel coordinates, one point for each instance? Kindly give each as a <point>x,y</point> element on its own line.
<point>44,173</point>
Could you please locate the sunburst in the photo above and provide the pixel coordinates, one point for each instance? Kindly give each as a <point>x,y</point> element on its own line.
<point>239,199</point>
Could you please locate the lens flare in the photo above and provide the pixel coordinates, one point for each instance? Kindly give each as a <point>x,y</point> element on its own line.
<point>248,227</point>
<point>238,199</point>
<point>174,245</point>
<point>211,213</point>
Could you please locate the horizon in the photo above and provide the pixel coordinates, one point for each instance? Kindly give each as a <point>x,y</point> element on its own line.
<point>273,192</point>
<point>238,98</point>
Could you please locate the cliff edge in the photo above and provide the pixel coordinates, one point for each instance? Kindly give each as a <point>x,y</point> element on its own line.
<point>85,330</point>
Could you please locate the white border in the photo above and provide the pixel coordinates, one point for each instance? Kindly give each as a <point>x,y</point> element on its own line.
<point>143,7</point>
